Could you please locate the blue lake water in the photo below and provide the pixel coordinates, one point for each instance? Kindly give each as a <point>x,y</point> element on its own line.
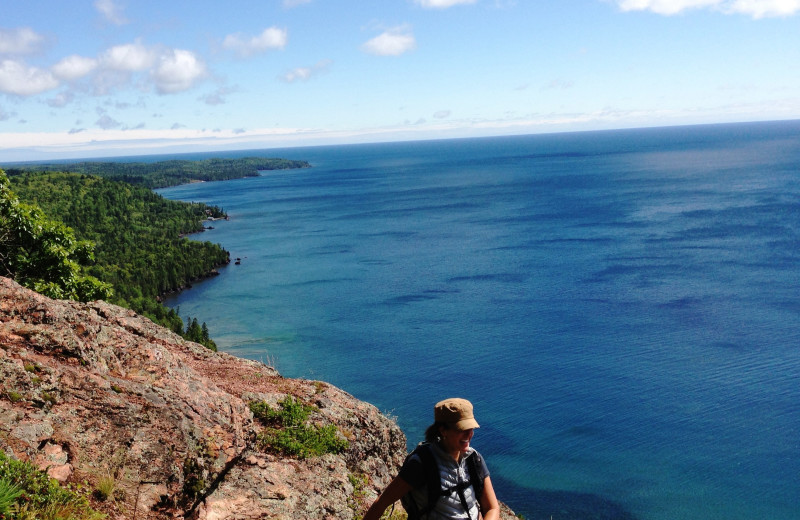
<point>622,307</point>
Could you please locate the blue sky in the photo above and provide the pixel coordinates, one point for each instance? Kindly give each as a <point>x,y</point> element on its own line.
<point>91,78</point>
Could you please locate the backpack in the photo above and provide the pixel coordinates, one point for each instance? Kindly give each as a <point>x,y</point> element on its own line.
<point>434,485</point>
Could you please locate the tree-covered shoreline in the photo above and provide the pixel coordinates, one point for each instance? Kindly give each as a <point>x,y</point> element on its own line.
<point>131,242</point>
<point>163,174</point>
<point>139,237</point>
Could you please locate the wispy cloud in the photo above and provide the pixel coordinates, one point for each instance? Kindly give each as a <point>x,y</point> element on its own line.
<point>306,73</point>
<point>442,114</point>
<point>106,122</point>
<point>22,40</point>
<point>442,4</point>
<point>753,8</point>
<point>269,39</point>
<point>392,42</point>
<point>558,84</point>
<point>111,10</point>
<point>5,116</point>
<point>61,100</point>
<point>294,3</point>
<point>218,96</point>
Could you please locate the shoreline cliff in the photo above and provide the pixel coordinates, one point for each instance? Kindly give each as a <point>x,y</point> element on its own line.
<point>94,390</point>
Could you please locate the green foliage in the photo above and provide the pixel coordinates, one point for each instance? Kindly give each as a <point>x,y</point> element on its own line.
<point>9,493</point>
<point>356,501</point>
<point>170,173</point>
<point>287,433</point>
<point>39,497</point>
<point>292,413</point>
<point>43,254</point>
<point>199,334</point>
<point>141,246</point>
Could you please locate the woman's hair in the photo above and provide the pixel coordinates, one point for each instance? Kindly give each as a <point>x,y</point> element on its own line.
<point>433,433</point>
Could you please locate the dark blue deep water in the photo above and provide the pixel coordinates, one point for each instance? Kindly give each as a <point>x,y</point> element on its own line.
<point>622,307</point>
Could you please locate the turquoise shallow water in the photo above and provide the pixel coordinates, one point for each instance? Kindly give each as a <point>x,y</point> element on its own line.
<point>622,307</point>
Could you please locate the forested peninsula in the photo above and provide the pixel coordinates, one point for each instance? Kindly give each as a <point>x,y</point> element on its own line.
<point>162,174</point>
<point>138,237</point>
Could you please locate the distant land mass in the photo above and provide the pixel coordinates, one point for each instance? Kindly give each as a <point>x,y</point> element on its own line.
<point>168,173</point>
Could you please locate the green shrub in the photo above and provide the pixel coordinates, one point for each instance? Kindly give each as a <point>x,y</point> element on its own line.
<point>292,412</point>
<point>41,497</point>
<point>8,496</point>
<point>287,432</point>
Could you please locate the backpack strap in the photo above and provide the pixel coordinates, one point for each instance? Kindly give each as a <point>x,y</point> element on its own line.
<point>473,465</point>
<point>432,477</point>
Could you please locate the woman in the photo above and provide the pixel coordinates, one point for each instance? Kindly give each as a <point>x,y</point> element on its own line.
<point>466,489</point>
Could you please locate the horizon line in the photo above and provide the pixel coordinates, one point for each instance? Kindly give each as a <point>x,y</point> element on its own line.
<point>120,149</point>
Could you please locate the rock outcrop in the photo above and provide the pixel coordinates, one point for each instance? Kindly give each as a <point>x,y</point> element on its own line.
<point>94,391</point>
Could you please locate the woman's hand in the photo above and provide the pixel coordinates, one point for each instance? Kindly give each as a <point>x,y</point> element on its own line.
<point>393,492</point>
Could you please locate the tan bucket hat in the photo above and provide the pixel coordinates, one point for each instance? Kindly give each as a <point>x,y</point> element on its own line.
<point>456,412</point>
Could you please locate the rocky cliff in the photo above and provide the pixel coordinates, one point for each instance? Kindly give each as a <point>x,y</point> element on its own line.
<point>94,391</point>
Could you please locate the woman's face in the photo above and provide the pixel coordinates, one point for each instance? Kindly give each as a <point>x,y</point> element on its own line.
<point>456,441</point>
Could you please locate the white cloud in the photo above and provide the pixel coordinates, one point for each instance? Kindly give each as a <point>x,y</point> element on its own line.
<point>442,4</point>
<point>178,70</point>
<point>130,57</point>
<point>22,40</point>
<point>270,38</point>
<point>306,73</point>
<point>754,8</point>
<point>74,67</point>
<point>393,42</point>
<point>667,7</point>
<point>111,10</point>
<point>294,3</point>
<point>442,114</point>
<point>22,80</point>
<point>765,8</point>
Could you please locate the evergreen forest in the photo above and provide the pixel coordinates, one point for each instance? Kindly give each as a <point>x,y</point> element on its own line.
<point>162,174</point>
<point>140,244</point>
